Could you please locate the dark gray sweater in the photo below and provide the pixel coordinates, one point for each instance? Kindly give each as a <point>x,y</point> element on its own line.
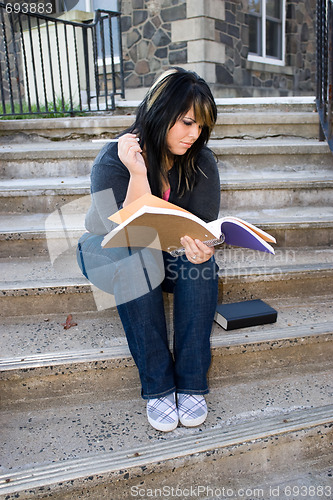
<point>110,178</point>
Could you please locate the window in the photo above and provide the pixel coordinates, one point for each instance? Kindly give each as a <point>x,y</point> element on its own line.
<point>91,6</point>
<point>108,5</point>
<point>267,31</point>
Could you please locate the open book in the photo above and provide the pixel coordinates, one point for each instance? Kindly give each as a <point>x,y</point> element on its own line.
<point>156,223</point>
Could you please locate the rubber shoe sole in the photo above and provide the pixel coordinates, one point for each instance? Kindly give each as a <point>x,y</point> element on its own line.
<point>159,426</point>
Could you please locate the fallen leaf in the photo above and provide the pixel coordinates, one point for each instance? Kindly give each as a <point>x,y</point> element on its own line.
<point>69,322</point>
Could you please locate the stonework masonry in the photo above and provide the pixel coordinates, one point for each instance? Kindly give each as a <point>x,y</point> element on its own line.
<point>212,38</point>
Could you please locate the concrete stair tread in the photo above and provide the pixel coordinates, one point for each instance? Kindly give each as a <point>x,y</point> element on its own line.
<point>267,146</point>
<point>276,178</point>
<point>82,359</point>
<point>116,119</point>
<point>75,146</point>
<point>17,225</point>
<point>266,178</point>
<point>13,186</point>
<point>233,110</point>
<point>40,340</point>
<point>119,439</point>
<point>46,148</point>
<point>37,272</point>
<point>35,223</point>
<point>285,216</point>
<point>229,179</point>
<point>252,102</point>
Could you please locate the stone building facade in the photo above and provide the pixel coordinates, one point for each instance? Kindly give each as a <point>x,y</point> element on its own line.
<point>212,38</point>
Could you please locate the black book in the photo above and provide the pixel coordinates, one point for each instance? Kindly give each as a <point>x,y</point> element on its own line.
<point>244,314</point>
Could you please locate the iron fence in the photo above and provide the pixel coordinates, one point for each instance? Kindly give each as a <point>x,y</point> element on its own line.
<point>325,68</point>
<point>52,65</point>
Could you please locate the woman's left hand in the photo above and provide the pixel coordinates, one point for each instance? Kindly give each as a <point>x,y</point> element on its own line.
<point>196,251</point>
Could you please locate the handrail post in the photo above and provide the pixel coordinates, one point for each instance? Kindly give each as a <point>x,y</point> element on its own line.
<point>324,84</point>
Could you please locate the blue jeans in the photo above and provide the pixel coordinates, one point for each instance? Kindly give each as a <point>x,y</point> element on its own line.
<point>137,278</point>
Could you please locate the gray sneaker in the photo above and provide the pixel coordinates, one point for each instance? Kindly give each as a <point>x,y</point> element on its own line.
<point>162,413</point>
<point>192,409</point>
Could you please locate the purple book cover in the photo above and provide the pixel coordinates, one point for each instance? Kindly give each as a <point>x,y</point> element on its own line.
<point>237,235</point>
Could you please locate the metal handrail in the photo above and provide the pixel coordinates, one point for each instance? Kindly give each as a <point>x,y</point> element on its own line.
<point>324,94</point>
<point>52,65</point>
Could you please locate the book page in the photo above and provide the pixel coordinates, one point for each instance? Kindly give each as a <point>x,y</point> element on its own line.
<point>147,199</point>
<point>148,223</point>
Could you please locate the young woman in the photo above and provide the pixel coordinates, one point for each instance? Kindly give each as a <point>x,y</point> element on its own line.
<point>163,153</point>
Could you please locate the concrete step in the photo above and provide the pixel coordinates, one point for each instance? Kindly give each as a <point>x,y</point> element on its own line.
<point>275,190</point>
<point>38,345</point>
<point>96,441</point>
<point>36,195</point>
<point>33,234</point>
<point>27,160</point>
<point>75,425</point>
<point>274,154</point>
<point>287,104</point>
<point>233,125</point>
<point>78,421</point>
<point>28,235</point>
<point>35,285</point>
<point>244,190</point>
<point>235,452</point>
<point>74,158</point>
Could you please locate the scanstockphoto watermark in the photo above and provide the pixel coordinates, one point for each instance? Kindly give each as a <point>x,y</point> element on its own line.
<point>202,491</point>
<point>205,492</point>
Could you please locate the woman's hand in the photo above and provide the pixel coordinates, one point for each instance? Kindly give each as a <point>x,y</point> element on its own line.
<point>196,251</point>
<point>129,152</point>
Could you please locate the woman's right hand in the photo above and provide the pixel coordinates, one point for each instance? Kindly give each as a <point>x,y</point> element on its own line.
<point>129,152</point>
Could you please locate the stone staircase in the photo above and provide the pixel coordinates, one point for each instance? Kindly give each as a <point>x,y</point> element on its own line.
<point>73,422</point>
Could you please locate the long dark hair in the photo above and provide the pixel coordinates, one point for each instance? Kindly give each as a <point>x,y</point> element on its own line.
<point>170,98</point>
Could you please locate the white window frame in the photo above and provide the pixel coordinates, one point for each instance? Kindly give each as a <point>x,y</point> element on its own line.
<point>89,8</point>
<point>267,59</point>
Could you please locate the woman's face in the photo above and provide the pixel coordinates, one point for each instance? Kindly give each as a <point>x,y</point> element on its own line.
<point>183,133</point>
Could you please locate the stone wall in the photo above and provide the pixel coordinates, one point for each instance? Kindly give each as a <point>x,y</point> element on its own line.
<point>301,43</point>
<point>147,45</point>
<point>212,38</point>
<point>242,77</point>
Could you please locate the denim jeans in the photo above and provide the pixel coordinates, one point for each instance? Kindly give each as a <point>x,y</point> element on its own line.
<point>137,278</point>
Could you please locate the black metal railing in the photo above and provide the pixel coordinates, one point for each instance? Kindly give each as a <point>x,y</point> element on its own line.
<point>325,68</point>
<point>50,65</point>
